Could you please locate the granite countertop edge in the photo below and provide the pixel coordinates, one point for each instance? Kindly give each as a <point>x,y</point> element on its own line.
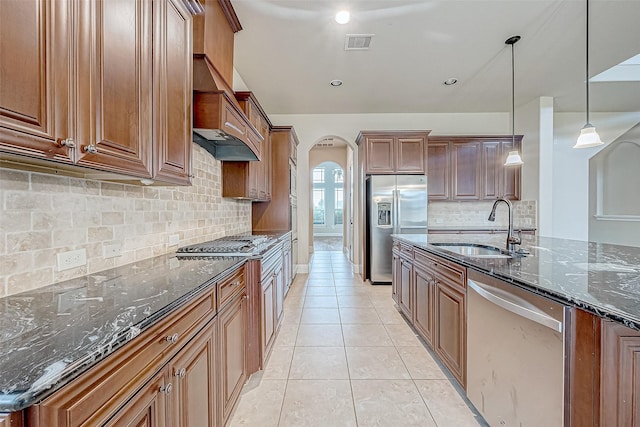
<point>606,312</point>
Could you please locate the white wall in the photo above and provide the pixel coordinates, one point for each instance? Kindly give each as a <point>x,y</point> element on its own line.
<point>570,210</point>
<point>311,128</point>
<point>535,121</point>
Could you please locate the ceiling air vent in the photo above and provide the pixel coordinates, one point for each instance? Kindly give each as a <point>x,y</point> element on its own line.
<point>357,41</point>
<point>324,145</point>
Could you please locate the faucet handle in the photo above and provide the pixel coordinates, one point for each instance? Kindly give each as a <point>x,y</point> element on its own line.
<point>516,240</point>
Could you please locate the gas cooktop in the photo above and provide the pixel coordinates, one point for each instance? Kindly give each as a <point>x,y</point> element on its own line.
<point>238,245</point>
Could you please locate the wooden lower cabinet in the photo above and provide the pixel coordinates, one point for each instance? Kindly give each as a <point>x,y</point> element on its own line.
<point>431,293</point>
<point>148,407</point>
<point>405,297</point>
<point>450,340</point>
<point>395,275</point>
<point>424,283</point>
<point>194,376</point>
<point>268,323</point>
<point>619,376</point>
<point>233,350</point>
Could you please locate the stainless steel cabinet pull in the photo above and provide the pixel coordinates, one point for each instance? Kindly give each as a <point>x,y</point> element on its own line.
<point>172,339</point>
<point>166,389</point>
<point>90,148</point>
<point>180,373</point>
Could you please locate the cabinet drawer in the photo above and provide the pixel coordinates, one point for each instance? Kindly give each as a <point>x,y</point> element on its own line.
<point>406,250</point>
<point>230,287</point>
<point>449,270</point>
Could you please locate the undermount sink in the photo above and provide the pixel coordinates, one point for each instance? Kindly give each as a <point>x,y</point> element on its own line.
<point>474,250</point>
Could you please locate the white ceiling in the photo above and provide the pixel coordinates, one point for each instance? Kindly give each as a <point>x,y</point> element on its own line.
<point>289,51</point>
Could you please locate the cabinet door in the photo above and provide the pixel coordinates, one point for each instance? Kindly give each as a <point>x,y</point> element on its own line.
<point>148,407</point>
<point>173,91</point>
<point>410,155</point>
<point>233,352</point>
<point>268,323</point>
<point>279,295</point>
<point>266,159</point>
<point>115,85</point>
<point>423,302</point>
<point>620,376</point>
<point>491,171</point>
<point>439,167</point>
<point>465,165</point>
<point>510,179</point>
<point>450,339</point>
<point>405,287</point>
<point>380,155</point>
<point>396,277</point>
<point>36,90</point>
<point>286,268</point>
<point>194,376</point>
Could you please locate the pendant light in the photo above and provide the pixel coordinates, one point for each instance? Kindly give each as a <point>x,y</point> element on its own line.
<point>513,159</point>
<point>588,135</point>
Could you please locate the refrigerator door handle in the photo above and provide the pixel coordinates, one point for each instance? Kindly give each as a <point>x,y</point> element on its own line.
<point>396,211</point>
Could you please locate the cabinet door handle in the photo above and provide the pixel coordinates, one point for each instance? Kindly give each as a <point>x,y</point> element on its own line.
<point>172,339</point>
<point>69,143</point>
<point>180,373</point>
<point>246,297</point>
<point>166,389</point>
<point>236,283</point>
<point>91,148</point>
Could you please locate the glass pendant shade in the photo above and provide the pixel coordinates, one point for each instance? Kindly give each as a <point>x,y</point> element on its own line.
<point>513,159</point>
<point>588,137</point>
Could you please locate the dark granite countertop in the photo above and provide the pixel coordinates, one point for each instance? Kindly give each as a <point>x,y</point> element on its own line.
<point>51,335</point>
<point>600,278</point>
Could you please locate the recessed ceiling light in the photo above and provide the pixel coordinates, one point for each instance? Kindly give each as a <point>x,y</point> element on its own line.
<point>336,83</point>
<point>343,17</point>
<point>451,81</point>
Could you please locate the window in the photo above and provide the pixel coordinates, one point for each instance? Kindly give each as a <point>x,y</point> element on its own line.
<point>338,176</point>
<point>318,205</point>
<point>318,175</point>
<point>338,212</point>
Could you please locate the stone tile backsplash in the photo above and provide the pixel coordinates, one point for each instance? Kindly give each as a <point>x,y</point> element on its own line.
<point>468,214</point>
<point>42,215</point>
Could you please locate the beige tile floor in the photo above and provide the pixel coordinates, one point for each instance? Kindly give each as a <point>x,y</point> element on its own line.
<point>345,357</point>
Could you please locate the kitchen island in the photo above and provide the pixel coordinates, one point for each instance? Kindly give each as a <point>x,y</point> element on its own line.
<point>600,278</point>
<point>436,288</point>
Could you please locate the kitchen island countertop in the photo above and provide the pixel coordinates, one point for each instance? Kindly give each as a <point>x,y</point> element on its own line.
<point>601,278</point>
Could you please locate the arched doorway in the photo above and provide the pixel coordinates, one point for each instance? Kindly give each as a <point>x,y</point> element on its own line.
<point>327,199</point>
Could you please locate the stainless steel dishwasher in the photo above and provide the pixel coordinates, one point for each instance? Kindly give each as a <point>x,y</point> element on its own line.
<point>515,354</point>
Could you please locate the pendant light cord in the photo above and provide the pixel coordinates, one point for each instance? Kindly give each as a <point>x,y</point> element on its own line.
<point>587,62</point>
<point>513,99</point>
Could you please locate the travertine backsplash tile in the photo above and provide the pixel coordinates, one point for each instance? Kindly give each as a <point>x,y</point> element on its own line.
<point>42,215</point>
<point>468,214</point>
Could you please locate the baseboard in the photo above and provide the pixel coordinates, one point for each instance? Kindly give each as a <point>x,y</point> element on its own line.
<point>302,268</point>
<point>357,268</point>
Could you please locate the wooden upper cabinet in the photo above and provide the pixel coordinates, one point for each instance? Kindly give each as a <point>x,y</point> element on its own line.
<point>99,84</point>
<point>465,165</point>
<point>36,89</point>
<point>472,168</point>
<point>380,155</point>
<point>279,213</point>
<point>256,175</point>
<point>410,154</point>
<point>394,152</point>
<point>115,85</point>
<point>439,166</point>
<point>173,88</point>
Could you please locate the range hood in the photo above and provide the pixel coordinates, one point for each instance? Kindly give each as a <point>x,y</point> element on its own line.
<point>219,124</point>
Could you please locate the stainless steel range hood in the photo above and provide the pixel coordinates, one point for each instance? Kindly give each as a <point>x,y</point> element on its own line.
<point>219,124</point>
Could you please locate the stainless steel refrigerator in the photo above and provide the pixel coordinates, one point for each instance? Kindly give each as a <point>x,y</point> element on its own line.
<point>395,204</point>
